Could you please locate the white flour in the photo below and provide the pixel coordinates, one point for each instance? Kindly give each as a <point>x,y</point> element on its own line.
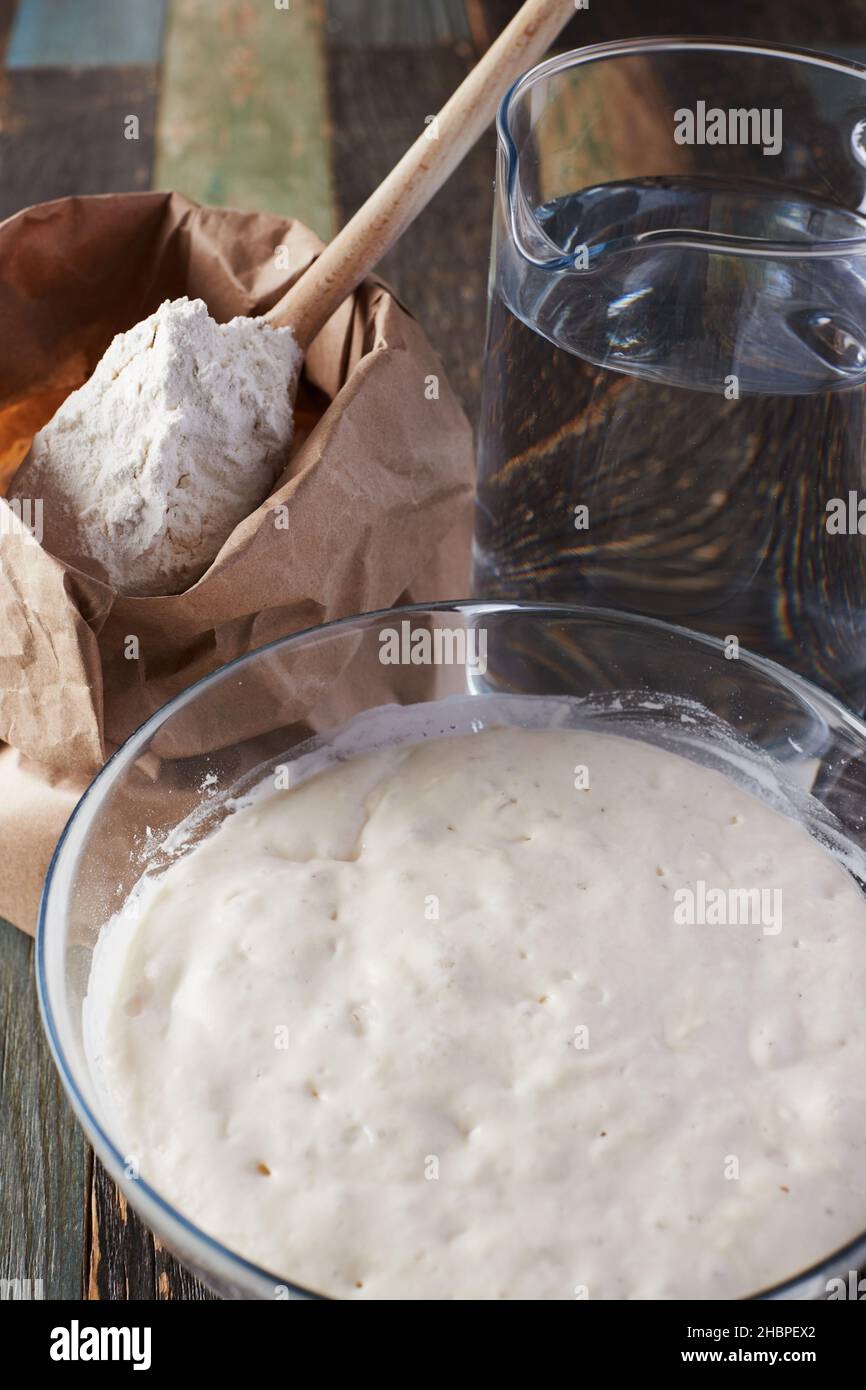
<point>179,434</point>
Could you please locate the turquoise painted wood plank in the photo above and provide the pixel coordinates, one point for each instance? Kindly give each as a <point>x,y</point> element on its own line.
<point>86,33</point>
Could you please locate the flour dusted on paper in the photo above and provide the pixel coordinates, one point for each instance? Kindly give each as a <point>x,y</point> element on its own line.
<point>180,433</point>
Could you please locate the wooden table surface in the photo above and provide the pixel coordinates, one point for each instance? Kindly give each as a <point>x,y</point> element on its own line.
<point>297,111</point>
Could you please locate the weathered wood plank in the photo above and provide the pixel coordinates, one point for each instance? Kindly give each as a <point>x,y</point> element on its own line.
<point>86,33</point>
<point>782,21</point>
<point>64,133</point>
<point>386,22</point>
<point>43,1155</point>
<point>125,1262</point>
<point>243,119</point>
<point>7,17</point>
<point>379,99</point>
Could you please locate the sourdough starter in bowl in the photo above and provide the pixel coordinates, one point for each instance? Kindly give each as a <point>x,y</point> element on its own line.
<point>525,1014</point>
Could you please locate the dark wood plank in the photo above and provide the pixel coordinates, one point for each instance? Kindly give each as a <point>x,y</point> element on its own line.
<point>7,17</point>
<point>124,1260</point>
<point>43,1155</point>
<point>379,98</point>
<point>368,25</point>
<point>62,133</point>
<point>780,21</point>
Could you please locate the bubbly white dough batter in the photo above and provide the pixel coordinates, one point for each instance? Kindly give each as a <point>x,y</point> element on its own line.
<point>425,1027</point>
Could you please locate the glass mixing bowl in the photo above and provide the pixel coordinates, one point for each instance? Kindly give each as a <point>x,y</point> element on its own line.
<point>266,709</point>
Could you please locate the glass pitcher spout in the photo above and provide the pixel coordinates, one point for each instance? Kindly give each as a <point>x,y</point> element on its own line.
<point>631,174</point>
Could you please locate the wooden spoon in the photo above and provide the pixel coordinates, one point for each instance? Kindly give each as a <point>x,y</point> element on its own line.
<point>425,166</point>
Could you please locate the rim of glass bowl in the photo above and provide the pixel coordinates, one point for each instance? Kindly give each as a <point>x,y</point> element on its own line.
<point>68,846</point>
<point>716,242</point>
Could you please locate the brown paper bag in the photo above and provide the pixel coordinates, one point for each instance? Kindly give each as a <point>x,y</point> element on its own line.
<point>373,508</point>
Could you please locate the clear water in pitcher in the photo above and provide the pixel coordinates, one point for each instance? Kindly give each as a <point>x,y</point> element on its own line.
<point>680,432</point>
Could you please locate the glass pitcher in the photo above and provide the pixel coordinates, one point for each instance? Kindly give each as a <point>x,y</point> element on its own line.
<point>673,405</point>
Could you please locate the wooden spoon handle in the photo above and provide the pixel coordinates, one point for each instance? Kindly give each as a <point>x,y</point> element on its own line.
<point>425,166</point>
